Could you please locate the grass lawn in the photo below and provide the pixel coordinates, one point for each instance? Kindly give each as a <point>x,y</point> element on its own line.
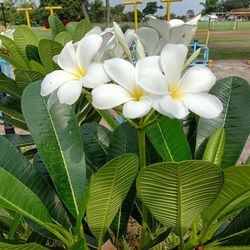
<point>222,46</point>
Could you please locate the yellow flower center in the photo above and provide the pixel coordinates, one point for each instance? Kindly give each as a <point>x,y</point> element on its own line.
<point>175,92</point>
<point>138,93</point>
<point>80,73</point>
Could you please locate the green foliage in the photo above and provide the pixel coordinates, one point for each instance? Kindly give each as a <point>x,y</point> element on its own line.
<point>168,138</point>
<point>56,130</point>
<point>151,8</point>
<point>234,93</point>
<point>81,29</point>
<point>176,194</point>
<point>56,25</point>
<point>29,246</point>
<point>108,189</point>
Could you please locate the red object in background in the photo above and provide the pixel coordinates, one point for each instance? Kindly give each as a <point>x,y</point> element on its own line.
<point>65,22</point>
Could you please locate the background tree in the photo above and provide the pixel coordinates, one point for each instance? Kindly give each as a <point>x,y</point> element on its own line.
<point>190,14</point>
<point>107,13</point>
<point>96,11</point>
<point>117,13</point>
<point>210,6</point>
<point>151,8</point>
<point>228,5</point>
<point>84,4</point>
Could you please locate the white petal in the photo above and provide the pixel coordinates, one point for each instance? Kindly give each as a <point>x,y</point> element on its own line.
<point>161,26</point>
<point>175,22</point>
<point>174,108</point>
<point>96,30</point>
<point>69,92</point>
<point>149,38</point>
<point>178,34</point>
<point>136,109</point>
<point>95,76</point>
<point>67,59</point>
<point>87,49</point>
<point>130,36</point>
<point>122,72</point>
<point>173,57</point>
<point>194,20</point>
<point>55,79</point>
<point>148,63</point>
<point>140,52</point>
<point>109,96</point>
<point>204,105</point>
<point>153,82</point>
<point>161,43</point>
<point>197,79</point>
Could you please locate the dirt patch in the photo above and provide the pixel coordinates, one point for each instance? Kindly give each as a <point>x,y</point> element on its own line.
<point>224,33</point>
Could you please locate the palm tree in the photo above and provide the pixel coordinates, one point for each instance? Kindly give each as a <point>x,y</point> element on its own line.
<point>85,9</point>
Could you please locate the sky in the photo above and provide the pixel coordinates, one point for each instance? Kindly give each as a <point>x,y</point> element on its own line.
<point>179,8</point>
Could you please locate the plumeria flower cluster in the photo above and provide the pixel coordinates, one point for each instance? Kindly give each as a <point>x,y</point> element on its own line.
<point>153,82</point>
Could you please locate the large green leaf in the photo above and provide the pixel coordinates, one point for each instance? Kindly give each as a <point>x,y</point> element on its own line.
<point>123,140</point>
<point>108,188</point>
<point>26,76</point>
<point>168,138</point>
<point>13,161</point>
<point>95,142</point>
<point>24,36</point>
<point>21,199</point>
<point>227,248</point>
<point>36,66</point>
<point>16,58</point>
<point>19,140</point>
<point>234,93</point>
<point>14,122</point>
<point>63,37</point>
<point>177,193</point>
<point>9,86</point>
<point>81,29</point>
<point>57,135</point>
<point>47,50</point>
<point>11,107</point>
<point>237,232</point>
<point>236,188</point>
<point>56,25</point>
<point>32,53</point>
<point>29,246</point>
<point>215,147</point>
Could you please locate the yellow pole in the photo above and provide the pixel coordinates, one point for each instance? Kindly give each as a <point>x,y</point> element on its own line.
<point>135,12</point>
<point>169,11</point>
<point>52,8</point>
<point>27,14</point>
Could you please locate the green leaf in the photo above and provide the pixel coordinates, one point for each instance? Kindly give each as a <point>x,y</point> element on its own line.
<point>109,187</point>
<point>36,66</point>
<point>57,135</point>
<point>236,188</point>
<point>17,59</point>
<point>32,53</point>
<point>168,138</point>
<point>236,232</point>
<point>234,93</point>
<point>11,107</point>
<point>25,76</point>
<point>123,140</point>
<point>95,143</point>
<point>29,246</point>
<point>47,50</point>
<point>176,193</point>
<point>70,27</point>
<point>21,199</point>
<point>56,25</point>
<point>14,122</point>
<point>215,147</point>
<point>20,140</point>
<point>9,86</point>
<point>63,37</point>
<point>24,36</point>
<point>12,160</point>
<point>227,248</point>
<point>81,29</point>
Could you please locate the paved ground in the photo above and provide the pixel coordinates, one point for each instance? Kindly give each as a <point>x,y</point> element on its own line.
<point>227,68</point>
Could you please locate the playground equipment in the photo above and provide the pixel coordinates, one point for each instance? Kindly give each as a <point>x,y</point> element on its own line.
<point>204,52</point>
<point>53,8</point>
<point>169,7</point>
<point>26,10</point>
<point>135,3</point>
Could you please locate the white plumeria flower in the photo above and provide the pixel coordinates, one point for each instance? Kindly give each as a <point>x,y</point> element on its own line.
<point>163,32</point>
<point>174,95</point>
<point>137,102</point>
<point>78,70</point>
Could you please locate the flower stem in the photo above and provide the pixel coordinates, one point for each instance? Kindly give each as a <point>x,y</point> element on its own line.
<point>142,158</point>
